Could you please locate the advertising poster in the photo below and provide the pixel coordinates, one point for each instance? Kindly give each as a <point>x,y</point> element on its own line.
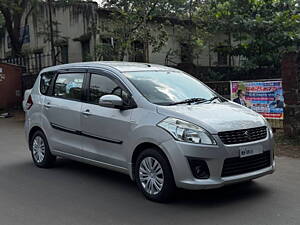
<point>264,97</point>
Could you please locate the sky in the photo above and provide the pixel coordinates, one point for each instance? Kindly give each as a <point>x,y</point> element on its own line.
<point>99,1</point>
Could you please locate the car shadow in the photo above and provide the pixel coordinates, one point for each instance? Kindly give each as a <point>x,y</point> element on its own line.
<point>234,193</point>
<point>208,198</point>
<point>231,194</point>
<point>83,168</point>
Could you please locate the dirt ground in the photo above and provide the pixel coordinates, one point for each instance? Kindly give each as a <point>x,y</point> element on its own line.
<point>286,146</point>
<point>288,150</point>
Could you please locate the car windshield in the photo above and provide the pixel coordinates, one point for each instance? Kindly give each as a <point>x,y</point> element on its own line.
<point>169,87</point>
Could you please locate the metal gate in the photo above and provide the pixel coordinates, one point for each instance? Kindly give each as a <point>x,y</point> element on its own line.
<point>28,81</point>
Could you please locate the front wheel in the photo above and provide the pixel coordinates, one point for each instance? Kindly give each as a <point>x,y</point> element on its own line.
<point>154,177</point>
<point>40,151</point>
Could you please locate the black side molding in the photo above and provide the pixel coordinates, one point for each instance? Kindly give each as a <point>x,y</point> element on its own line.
<point>77,132</point>
<point>65,129</point>
<point>101,138</point>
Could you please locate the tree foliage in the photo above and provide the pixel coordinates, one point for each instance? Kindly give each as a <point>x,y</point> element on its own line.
<point>142,21</point>
<point>13,11</point>
<point>14,15</point>
<point>258,30</point>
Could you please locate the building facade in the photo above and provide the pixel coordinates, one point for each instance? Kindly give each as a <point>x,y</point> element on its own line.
<point>77,35</point>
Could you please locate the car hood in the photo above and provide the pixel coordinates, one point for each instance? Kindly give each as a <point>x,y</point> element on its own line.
<point>215,117</point>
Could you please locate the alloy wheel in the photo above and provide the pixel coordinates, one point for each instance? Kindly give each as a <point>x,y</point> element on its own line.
<point>151,175</point>
<point>38,149</point>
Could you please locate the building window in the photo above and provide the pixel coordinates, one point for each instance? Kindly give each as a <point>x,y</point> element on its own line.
<point>138,52</point>
<point>222,55</point>
<point>107,49</point>
<point>64,51</point>
<point>186,55</point>
<point>85,50</point>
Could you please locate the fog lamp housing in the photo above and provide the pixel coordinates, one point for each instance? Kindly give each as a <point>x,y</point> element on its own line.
<point>199,168</point>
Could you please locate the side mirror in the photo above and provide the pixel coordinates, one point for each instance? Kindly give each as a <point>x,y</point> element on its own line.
<point>111,101</point>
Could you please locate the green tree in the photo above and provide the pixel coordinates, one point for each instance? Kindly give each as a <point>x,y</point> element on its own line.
<point>15,15</point>
<point>142,21</point>
<point>13,11</point>
<point>257,30</point>
<point>192,32</point>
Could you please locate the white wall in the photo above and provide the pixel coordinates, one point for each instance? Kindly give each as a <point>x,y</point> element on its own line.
<point>73,25</point>
<point>172,44</point>
<point>69,25</point>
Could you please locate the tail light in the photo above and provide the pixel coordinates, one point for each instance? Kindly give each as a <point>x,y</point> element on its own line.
<point>29,103</point>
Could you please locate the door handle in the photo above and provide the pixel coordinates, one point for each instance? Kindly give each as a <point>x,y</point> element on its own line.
<point>86,112</point>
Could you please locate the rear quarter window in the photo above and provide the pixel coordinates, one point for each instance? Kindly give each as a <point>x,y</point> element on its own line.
<point>45,82</point>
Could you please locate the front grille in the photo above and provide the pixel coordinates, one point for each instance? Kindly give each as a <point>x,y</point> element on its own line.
<point>243,136</point>
<point>237,165</point>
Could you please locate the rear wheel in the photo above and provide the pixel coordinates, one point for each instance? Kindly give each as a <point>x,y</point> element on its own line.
<point>40,151</point>
<point>154,177</point>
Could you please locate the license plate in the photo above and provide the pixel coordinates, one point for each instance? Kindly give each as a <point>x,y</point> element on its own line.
<point>246,151</point>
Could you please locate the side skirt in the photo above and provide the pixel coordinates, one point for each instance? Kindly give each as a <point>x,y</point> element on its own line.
<point>91,162</point>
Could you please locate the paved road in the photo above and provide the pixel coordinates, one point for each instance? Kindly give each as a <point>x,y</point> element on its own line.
<point>77,194</point>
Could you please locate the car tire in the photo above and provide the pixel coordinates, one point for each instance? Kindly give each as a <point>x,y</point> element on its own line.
<point>40,150</point>
<point>154,176</point>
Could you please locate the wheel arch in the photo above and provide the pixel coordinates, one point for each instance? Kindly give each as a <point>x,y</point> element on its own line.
<point>141,147</point>
<point>32,132</point>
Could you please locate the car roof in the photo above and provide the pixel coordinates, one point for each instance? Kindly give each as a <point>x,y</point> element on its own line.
<point>120,66</point>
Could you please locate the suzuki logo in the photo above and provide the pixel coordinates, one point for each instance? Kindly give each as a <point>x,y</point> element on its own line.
<point>247,134</point>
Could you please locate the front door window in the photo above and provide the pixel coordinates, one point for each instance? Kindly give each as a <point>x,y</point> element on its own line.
<point>102,85</point>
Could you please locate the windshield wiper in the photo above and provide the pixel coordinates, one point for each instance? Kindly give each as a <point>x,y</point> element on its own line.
<point>188,101</point>
<point>195,100</point>
<point>208,100</point>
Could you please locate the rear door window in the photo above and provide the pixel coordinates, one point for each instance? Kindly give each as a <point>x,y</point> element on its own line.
<point>69,86</point>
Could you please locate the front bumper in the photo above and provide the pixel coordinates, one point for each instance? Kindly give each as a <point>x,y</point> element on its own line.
<point>179,152</point>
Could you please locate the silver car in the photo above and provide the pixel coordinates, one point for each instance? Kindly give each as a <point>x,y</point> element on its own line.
<point>159,125</point>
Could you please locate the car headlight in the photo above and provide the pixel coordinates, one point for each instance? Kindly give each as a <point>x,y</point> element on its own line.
<point>268,126</point>
<point>185,131</point>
